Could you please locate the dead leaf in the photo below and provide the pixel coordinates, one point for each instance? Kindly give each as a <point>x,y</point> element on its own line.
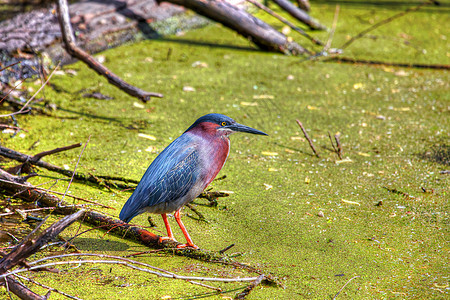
<point>146,136</point>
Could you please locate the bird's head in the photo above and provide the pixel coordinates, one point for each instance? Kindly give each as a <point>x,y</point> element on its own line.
<point>217,124</point>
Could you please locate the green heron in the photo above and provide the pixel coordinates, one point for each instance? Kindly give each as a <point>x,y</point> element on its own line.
<point>183,170</point>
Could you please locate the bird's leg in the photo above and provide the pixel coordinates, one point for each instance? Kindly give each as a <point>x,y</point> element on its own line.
<point>169,230</point>
<point>186,234</point>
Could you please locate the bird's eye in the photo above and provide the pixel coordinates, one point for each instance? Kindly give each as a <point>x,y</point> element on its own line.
<point>224,123</point>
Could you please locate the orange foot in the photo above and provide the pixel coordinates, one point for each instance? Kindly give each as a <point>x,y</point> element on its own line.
<point>181,246</point>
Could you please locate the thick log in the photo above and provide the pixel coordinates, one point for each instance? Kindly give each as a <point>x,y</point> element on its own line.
<point>299,14</point>
<point>237,19</point>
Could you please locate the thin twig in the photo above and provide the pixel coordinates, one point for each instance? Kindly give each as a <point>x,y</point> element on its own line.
<point>226,249</point>
<point>27,210</point>
<point>332,143</point>
<point>383,22</point>
<point>333,29</point>
<point>283,20</point>
<point>35,94</point>
<point>74,170</point>
<point>56,150</point>
<point>218,289</point>
<point>47,287</point>
<point>308,138</point>
<point>344,286</point>
<point>386,63</point>
<point>10,90</point>
<point>130,265</point>
<point>338,144</point>
<point>201,217</point>
<point>249,288</point>
<point>53,192</point>
<point>13,64</point>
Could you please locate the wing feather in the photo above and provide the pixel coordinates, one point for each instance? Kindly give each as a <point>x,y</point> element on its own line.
<point>169,177</point>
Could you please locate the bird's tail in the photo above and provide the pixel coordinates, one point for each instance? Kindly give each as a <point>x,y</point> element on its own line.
<point>129,210</point>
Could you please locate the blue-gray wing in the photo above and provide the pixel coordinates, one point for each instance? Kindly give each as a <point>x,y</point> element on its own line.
<point>170,177</point>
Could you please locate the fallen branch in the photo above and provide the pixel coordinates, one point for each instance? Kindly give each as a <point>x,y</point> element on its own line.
<point>71,47</point>
<point>249,288</point>
<point>20,290</point>
<point>308,138</point>
<point>9,182</point>
<point>253,29</point>
<point>131,264</point>
<point>12,154</point>
<point>299,14</point>
<point>384,63</point>
<point>31,245</point>
<point>28,247</point>
<point>283,20</point>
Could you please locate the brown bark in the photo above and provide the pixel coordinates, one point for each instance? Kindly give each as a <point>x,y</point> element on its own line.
<point>260,33</point>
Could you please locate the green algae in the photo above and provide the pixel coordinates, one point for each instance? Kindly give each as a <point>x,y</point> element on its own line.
<point>389,118</point>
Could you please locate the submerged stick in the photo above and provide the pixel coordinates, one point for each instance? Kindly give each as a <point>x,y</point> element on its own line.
<point>383,22</point>
<point>308,138</point>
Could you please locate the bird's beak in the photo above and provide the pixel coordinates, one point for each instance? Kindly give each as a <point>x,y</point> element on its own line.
<point>243,128</point>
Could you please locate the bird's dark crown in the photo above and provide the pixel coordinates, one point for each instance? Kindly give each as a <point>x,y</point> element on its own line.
<point>218,119</point>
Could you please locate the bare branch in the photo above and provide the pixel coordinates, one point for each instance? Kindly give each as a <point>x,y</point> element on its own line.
<point>308,138</point>
<point>74,50</point>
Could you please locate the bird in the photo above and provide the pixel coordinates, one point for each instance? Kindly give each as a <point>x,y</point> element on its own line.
<point>183,170</point>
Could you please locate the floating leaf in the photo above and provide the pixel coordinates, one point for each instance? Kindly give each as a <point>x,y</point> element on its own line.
<point>350,202</point>
<point>364,154</point>
<point>188,89</point>
<point>268,186</point>
<point>146,136</point>
<point>345,160</point>
<point>358,86</point>
<point>249,103</point>
<point>268,153</point>
<point>263,97</point>
<point>272,170</point>
<point>138,105</point>
<point>199,64</point>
